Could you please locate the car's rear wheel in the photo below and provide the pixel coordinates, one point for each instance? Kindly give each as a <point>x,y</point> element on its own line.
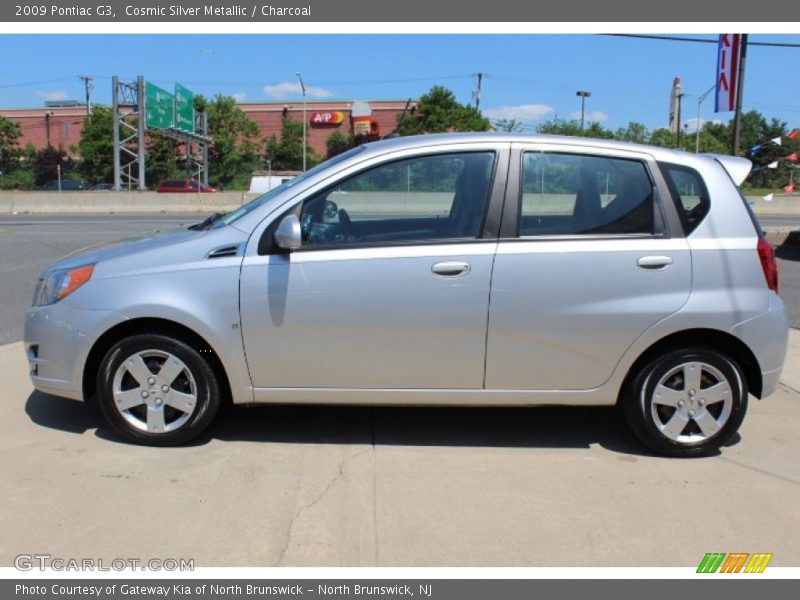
<point>157,390</point>
<point>687,402</point>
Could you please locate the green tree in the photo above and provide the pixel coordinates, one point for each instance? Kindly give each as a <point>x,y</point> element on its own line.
<point>337,143</point>
<point>163,161</point>
<point>573,128</point>
<point>96,146</point>
<point>46,164</point>
<point>233,155</point>
<point>662,137</point>
<point>508,125</point>
<point>286,153</point>
<point>10,152</point>
<point>635,132</point>
<point>438,111</point>
<point>18,179</point>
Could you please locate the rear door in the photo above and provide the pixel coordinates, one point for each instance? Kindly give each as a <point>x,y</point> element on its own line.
<point>585,264</point>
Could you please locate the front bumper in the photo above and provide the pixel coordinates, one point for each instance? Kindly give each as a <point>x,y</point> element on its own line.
<point>57,340</point>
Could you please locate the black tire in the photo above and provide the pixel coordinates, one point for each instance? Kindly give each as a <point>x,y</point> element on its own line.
<point>653,424</point>
<point>194,389</point>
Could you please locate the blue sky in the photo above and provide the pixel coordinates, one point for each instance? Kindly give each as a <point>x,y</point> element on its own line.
<point>529,77</point>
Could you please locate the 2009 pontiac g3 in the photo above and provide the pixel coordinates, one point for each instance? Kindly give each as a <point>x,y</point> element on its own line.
<point>470,269</point>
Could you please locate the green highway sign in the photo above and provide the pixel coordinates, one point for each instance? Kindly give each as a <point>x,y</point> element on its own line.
<point>184,109</point>
<point>160,107</point>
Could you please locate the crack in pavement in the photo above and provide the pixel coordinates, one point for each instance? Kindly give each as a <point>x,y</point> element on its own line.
<point>786,387</point>
<point>314,502</point>
<point>761,471</point>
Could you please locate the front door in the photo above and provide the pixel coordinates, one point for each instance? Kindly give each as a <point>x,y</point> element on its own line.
<point>390,288</point>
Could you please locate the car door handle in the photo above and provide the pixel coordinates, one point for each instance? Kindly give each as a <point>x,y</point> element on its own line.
<point>654,263</point>
<point>451,269</point>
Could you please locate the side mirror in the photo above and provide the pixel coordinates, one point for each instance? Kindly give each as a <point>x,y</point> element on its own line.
<point>288,234</point>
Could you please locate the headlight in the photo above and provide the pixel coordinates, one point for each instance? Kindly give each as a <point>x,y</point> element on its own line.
<point>59,284</point>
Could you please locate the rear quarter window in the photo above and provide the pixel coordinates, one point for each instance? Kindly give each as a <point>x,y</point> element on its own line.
<point>689,192</point>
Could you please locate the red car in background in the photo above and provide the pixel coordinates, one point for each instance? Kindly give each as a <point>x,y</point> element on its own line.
<point>183,186</point>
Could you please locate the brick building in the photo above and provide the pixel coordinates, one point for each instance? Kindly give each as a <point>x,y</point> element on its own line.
<point>61,126</point>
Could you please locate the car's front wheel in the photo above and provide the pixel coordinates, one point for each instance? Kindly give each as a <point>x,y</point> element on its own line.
<point>687,402</point>
<point>157,390</point>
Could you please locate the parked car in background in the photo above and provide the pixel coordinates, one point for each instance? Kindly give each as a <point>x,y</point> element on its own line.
<point>619,274</point>
<point>183,186</point>
<point>67,185</point>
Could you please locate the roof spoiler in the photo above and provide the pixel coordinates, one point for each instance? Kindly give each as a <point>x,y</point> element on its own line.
<point>737,167</point>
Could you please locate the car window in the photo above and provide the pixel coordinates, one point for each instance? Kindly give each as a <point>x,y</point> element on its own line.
<point>287,185</point>
<point>433,197</point>
<point>690,194</point>
<point>572,194</point>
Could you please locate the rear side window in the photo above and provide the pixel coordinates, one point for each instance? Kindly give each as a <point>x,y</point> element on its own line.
<point>689,192</point>
<point>572,194</point>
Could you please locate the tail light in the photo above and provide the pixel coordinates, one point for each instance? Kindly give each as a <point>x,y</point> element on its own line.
<point>766,254</point>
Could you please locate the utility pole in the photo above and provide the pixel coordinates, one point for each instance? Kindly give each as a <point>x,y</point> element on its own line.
<point>87,84</point>
<point>583,96</point>
<point>305,119</point>
<point>47,116</point>
<point>703,96</point>
<point>478,92</point>
<point>737,119</point>
<point>678,119</point>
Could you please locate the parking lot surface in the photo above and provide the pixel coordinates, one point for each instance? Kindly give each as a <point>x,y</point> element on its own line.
<point>362,486</point>
<point>353,486</point>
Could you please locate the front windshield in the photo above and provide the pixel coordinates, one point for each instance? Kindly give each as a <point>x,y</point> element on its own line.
<point>261,200</point>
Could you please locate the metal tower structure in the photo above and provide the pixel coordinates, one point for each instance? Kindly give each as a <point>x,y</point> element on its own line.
<point>197,161</point>
<point>130,129</point>
<point>127,109</point>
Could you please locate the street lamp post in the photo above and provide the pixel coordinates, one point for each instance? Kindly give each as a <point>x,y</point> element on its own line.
<point>583,96</point>
<point>303,87</point>
<point>702,97</point>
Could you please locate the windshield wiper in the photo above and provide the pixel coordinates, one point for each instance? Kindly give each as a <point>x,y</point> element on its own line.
<point>208,221</point>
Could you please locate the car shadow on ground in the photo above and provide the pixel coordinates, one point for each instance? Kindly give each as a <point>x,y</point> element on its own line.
<point>790,248</point>
<point>534,428</point>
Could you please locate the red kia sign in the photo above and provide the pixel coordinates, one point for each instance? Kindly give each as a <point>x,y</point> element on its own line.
<point>326,118</point>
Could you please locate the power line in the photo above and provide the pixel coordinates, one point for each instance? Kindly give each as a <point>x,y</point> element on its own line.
<point>41,81</point>
<point>675,38</point>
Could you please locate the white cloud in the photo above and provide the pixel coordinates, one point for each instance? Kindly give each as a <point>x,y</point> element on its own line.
<point>239,97</point>
<point>285,89</point>
<point>524,112</point>
<point>53,95</point>
<point>594,116</point>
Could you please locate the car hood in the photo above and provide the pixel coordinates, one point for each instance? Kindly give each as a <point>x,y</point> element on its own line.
<point>126,246</point>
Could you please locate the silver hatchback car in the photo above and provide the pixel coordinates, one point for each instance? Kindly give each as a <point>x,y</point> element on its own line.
<point>461,269</point>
